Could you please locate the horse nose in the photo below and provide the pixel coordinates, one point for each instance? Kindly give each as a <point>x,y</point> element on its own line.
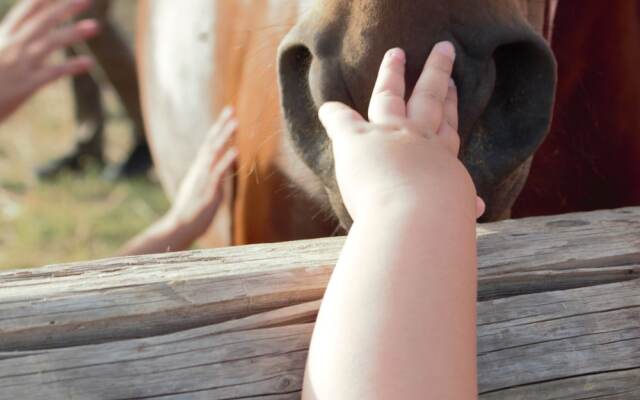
<point>507,94</point>
<point>506,78</point>
<point>309,70</point>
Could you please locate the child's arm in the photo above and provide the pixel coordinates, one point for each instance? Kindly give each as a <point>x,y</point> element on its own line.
<point>398,320</point>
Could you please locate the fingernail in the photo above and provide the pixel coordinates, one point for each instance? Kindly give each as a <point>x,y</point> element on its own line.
<point>88,26</point>
<point>396,54</point>
<point>79,3</point>
<point>87,61</point>
<point>227,111</point>
<point>446,48</point>
<point>452,83</point>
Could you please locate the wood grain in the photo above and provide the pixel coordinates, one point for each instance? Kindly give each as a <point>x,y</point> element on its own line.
<point>573,341</point>
<point>559,318</point>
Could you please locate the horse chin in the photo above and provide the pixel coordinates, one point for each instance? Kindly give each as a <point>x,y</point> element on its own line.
<point>339,209</point>
<point>505,194</point>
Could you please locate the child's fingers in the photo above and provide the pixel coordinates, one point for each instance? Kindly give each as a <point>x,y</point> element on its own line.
<point>222,165</point>
<point>51,73</point>
<point>213,136</point>
<point>222,140</point>
<point>64,37</point>
<point>203,169</point>
<point>339,119</point>
<point>387,102</point>
<point>225,115</point>
<point>213,185</point>
<point>49,17</point>
<point>218,138</point>
<point>426,106</point>
<point>450,138</point>
<point>481,207</point>
<point>449,128</point>
<point>451,105</point>
<point>20,13</point>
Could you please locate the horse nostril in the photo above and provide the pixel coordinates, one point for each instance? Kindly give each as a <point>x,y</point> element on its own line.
<point>515,118</point>
<point>300,108</point>
<point>294,63</point>
<point>523,95</point>
<point>296,59</point>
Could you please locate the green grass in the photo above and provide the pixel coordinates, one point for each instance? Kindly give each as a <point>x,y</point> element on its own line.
<point>5,5</point>
<point>78,217</point>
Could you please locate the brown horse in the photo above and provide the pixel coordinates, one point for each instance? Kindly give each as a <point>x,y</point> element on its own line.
<point>196,57</point>
<point>504,71</point>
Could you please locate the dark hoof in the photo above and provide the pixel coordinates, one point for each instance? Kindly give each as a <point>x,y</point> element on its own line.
<point>138,163</point>
<point>71,163</point>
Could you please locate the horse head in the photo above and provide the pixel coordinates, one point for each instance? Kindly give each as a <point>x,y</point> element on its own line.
<point>505,72</point>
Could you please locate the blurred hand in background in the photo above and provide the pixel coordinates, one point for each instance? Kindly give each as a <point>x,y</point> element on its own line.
<point>198,198</point>
<point>30,32</point>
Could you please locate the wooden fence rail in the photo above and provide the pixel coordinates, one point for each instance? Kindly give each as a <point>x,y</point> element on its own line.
<point>559,318</point>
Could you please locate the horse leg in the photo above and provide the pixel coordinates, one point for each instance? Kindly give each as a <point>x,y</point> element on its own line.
<point>89,117</point>
<point>116,58</point>
<point>90,122</point>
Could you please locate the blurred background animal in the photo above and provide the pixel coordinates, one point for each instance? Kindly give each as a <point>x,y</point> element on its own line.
<point>113,52</point>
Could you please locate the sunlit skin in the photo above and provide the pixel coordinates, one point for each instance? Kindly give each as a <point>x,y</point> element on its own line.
<point>29,34</point>
<point>198,198</point>
<point>398,320</point>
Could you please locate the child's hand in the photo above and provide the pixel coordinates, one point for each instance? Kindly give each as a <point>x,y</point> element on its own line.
<point>198,199</point>
<point>201,191</point>
<point>406,155</point>
<point>28,35</point>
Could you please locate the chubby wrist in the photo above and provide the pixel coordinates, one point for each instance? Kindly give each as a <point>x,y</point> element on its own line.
<point>417,205</point>
<point>439,196</point>
<point>420,211</point>
<point>450,191</point>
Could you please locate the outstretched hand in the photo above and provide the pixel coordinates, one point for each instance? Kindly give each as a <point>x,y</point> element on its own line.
<point>29,33</point>
<point>408,151</point>
<point>200,193</point>
<point>198,198</point>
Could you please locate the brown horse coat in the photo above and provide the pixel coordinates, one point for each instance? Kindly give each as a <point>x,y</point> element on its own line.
<point>225,53</point>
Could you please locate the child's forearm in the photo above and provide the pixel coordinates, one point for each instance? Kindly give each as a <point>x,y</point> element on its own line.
<point>398,318</point>
<point>166,235</point>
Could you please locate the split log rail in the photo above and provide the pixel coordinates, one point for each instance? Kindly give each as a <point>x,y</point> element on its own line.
<point>559,318</point>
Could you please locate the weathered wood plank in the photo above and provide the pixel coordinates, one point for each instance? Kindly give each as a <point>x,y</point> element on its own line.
<point>556,335</point>
<point>117,299</point>
<point>617,385</point>
<point>573,344</point>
